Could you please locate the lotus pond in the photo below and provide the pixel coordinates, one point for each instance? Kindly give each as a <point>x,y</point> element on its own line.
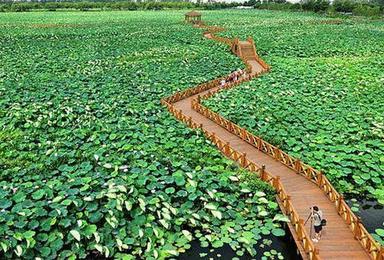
<point>92,165</point>
<point>323,100</point>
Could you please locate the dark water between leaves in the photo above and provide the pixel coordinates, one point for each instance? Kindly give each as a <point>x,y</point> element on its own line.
<point>370,212</point>
<point>284,245</point>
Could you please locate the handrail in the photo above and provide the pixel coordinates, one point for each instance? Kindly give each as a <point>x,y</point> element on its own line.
<point>372,247</point>
<point>289,210</point>
<point>212,87</point>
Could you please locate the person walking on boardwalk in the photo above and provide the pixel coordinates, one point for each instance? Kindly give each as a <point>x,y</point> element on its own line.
<point>317,216</point>
<point>222,83</point>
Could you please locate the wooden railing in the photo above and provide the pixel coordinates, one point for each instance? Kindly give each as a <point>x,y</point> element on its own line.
<point>373,248</point>
<point>222,40</point>
<point>291,213</point>
<point>241,159</point>
<point>192,91</point>
<point>213,85</point>
<point>274,181</point>
<point>265,66</point>
<point>210,84</point>
<point>214,29</point>
<point>180,116</point>
<point>262,63</point>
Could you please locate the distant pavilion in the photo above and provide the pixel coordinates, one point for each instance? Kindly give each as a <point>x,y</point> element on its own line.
<point>193,17</point>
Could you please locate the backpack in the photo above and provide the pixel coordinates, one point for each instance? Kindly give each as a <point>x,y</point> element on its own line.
<point>323,222</point>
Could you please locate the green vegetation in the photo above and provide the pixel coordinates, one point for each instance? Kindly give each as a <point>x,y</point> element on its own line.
<point>322,101</point>
<point>355,7</point>
<point>106,5</point>
<point>91,163</point>
<point>379,234</point>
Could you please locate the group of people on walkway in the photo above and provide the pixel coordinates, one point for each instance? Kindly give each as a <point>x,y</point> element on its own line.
<point>234,76</point>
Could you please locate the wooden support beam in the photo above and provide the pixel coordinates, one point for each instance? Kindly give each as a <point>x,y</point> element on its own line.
<point>263,174</point>
<point>297,166</point>
<point>277,154</point>
<point>316,254</point>
<point>380,255</point>
<point>339,204</point>
<point>357,229</point>
<point>286,203</point>
<point>226,149</point>
<point>300,229</point>
<point>243,160</point>
<point>319,178</point>
<point>276,183</point>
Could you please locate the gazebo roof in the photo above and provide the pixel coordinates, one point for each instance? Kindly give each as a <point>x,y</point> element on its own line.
<point>193,13</point>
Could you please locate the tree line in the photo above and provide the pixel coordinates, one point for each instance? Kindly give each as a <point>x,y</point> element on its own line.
<point>355,7</point>
<point>107,5</point>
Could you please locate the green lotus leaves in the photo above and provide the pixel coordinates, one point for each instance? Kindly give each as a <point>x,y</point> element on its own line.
<point>38,194</point>
<point>278,232</point>
<point>75,234</point>
<point>5,203</point>
<point>322,100</point>
<point>92,164</point>
<point>380,232</point>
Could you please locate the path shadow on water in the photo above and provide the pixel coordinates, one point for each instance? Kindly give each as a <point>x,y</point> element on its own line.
<point>285,245</point>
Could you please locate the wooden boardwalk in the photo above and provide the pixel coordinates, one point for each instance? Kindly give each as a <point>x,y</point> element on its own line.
<point>338,241</point>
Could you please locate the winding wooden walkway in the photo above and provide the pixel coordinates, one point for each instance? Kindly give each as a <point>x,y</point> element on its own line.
<point>338,241</point>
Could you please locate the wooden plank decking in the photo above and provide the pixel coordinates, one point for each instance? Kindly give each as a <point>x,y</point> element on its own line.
<point>338,241</point>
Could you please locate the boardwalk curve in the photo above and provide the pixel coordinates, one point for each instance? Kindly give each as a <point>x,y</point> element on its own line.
<point>298,185</point>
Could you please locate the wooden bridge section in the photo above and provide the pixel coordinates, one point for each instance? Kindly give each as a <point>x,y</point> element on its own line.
<point>298,185</point>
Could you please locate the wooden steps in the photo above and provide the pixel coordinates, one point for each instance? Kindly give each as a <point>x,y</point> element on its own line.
<point>248,50</point>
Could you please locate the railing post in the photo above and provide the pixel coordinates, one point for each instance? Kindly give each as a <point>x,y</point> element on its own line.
<point>243,133</point>
<point>380,255</point>
<point>300,227</point>
<point>297,166</point>
<point>263,174</point>
<point>230,127</point>
<point>276,182</point>
<point>258,141</point>
<point>286,202</point>
<point>316,254</point>
<point>226,149</point>
<point>319,178</point>
<point>277,153</point>
<point>340,202</point>
<point>356,230</point>
<point>349,218</point>
<point>213,136</point>
<point>243,160</point>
